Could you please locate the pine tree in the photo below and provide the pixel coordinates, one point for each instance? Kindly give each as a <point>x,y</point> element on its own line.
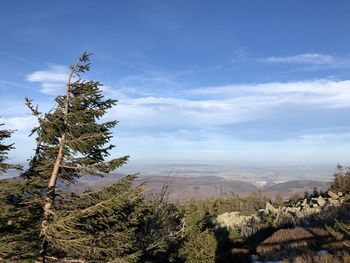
<point>20,213</point>
<point>200,244</point>
<point>341,182</point>
<point>114,224</point>
<point>4,149</point>
<point>99,226</point>
<point>70,139</point>
<point>20,219</point>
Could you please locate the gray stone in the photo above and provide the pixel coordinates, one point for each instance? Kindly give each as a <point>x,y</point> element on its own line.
<point>270,207</point>
<point>321,201</point>
<point>292,209</point>
<point>299,214</point>
<point>333,195</point>
<point>334,202</point>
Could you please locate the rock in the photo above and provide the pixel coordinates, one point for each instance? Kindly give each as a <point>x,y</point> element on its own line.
<point>333,195</point>
<point>232,220</point>
<point>270,207</point>
<point>299,214</point>
<point>321,201</point>
<point>311,210</point>
<point>307,206</point>
<point>292,209</point>
<point>334,202</point>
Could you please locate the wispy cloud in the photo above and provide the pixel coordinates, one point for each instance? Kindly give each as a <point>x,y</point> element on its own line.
<point>19,59</point>
<point>311,59</point>
<point>324,137</point>
<point>228,105</point>
<point>208,119</point>
<point>52,80</point>
<point>6,84</point>
<point>22,124</point>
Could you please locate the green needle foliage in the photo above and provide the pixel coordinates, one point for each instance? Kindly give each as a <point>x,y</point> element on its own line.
<point>71,139</point>
<point>20,218</point>
<point>76,118</point>
<point>200,244</point>
<point>21,212</point>
<point>341,182</point>
<point>114,224</point>
<point>4,149</point>
<point>100,226</point>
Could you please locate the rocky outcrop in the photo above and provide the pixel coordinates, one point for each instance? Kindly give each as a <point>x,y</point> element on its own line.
<point>246,225</point>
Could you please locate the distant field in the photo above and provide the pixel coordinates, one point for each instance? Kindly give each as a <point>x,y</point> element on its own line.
<point>201,181</point>
<point>183,188</point>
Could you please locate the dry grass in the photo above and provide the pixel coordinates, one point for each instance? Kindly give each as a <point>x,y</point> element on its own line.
<point>343,257</point>
<point>290,243</point>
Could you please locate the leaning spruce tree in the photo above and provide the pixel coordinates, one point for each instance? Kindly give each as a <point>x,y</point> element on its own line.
<point>71,141</point>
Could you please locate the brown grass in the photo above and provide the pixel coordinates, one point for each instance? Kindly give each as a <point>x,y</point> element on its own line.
<point>343,257</point>
<point>287,243</point>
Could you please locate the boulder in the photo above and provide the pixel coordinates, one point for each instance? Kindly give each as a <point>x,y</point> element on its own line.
<point>333,195</point>
<point>270,207</point>
<point>292,209</point>
<point>307,206</point>
<point>334,202</point>
<point>299,214</point>
<point>321,201</point>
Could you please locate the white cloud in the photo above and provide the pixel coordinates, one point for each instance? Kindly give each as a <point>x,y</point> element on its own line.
<point>312,59</point>
<point>144,107</point>
<point>21,124</point>
<point>52,80</point>
<point>178,122</point>
<point>228,105</point>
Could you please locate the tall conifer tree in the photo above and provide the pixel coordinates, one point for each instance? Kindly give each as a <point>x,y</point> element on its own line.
<point>70,139</point>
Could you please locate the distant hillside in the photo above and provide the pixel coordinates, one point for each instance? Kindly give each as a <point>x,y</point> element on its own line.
<point>202,187</point>
<point>298,186</point>
<point>185,188</point>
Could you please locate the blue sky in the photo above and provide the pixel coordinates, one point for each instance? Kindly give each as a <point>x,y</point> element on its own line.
<point>267,81</point>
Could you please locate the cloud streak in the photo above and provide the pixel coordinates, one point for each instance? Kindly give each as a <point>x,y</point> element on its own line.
<point>311,59</point>
<point>52,80</point>
<point>229,105</point>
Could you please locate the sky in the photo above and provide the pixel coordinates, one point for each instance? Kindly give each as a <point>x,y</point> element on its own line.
<point>265,81</point>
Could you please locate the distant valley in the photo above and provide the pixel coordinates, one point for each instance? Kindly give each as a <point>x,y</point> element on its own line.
<point>202,187</point>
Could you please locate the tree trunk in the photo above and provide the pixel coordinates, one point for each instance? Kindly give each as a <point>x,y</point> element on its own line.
<point>50,194</point>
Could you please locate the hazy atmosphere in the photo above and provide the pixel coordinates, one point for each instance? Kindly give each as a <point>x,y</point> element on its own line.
<point>263,81</point>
